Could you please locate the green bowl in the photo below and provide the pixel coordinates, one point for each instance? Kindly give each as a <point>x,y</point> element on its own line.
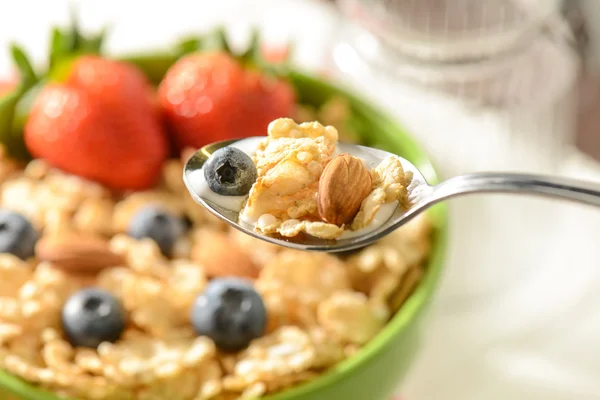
<point>378,369</point>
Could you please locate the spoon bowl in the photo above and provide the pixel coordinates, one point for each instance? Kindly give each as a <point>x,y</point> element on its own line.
<point>422,195</point>
<point>304,242</point>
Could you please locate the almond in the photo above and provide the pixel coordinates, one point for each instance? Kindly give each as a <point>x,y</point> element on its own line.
<point>220,257</point>
<point>344,184</point>
<point>77,253</point>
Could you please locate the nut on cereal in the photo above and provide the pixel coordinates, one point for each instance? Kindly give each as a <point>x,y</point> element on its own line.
<point>304,187</point>
<point>344,184</point>
<point>78,253</point>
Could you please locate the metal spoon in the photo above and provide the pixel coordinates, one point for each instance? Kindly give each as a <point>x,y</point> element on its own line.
<point>422,196</point>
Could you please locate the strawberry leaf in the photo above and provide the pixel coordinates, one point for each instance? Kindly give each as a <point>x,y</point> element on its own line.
<point>253,55</point>
<point>65,46</point>
<point>84,44</point>
<point>215,40</point>
<point>75,32</point>
<point>27,75</point>
<point>25,104</point>
<point>13,142</point>
<point>189,45</point>
<point>61,44</point>
<point>93,43</point>
<point>68,44</point>
<point>10,137</point>
<point>154,65</point>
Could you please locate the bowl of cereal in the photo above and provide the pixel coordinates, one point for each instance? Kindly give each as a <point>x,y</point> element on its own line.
<point>117,285</point>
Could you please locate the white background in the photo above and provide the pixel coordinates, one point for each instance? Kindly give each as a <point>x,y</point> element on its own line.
<point>535,336</point>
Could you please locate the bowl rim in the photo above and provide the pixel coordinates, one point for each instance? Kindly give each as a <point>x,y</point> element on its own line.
<point>394,133</point>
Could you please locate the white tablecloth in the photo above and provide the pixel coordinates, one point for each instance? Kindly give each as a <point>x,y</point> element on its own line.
<point>535,334</point>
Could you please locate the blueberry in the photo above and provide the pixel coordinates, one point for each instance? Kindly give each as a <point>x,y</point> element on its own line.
<point>230,172</point>
<point>92,316</point>
<point>17,235</point>
<point>230,312</point>
<point>158,225</point>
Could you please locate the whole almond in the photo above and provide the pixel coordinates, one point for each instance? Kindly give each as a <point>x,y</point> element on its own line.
<point>77,253</point>
<point>343,186</point>
<point>221,257</point>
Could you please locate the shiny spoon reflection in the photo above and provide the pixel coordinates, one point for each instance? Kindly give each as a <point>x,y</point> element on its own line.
<point>422,195</point>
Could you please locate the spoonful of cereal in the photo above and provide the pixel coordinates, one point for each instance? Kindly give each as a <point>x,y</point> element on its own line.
<point>300,188</point>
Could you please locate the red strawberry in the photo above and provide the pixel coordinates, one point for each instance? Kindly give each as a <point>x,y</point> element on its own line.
<point>210,97</point>
<point>264,100</point>
<point>198,95</point>
<point>100,124</point>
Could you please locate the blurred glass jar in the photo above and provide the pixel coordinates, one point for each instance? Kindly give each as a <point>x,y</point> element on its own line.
<point>485,84</point>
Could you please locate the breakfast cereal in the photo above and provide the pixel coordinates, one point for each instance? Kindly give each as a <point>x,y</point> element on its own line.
<point>303,186</point>
<point>321,308</point>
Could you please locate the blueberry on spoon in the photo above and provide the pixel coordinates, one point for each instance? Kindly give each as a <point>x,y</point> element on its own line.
<point>17,235</point>
<point>230,172</point>
<point>92,316</point>
<point>230,312</point>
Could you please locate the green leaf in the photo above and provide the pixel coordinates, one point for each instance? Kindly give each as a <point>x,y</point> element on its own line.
<point>253,58</point>
<point>27,75</point>
<point>68,44</point>
<point>154,65</point>
<point>61,44</point>
<point>8,103</point>
<point>9,136</point>
<point>189,45</point>
<point>80,43</point>
<point>253,55</point>
<point>24,106</point>
<point>215,40</point>
<point>93,44</point>
<point>62,68</point>
<point>74,32</point>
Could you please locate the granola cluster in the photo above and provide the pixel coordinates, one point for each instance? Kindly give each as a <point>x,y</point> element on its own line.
<point>321,308</point>
<point>290,163</point>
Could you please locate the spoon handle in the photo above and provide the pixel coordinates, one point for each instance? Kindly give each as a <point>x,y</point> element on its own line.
<point>561,188</point>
